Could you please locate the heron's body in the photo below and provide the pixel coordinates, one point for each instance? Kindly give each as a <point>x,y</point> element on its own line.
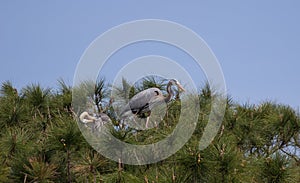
<point>143,102</point>
<point>97,121</point>
<point>101,120</point>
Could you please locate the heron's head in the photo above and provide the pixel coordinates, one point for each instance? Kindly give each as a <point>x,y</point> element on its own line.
<point>176,82</point>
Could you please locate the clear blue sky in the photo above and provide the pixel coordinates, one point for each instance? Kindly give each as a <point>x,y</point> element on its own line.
<point>256,42</point>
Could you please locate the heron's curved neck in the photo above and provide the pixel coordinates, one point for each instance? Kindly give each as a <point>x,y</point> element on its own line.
<point>170,93</point>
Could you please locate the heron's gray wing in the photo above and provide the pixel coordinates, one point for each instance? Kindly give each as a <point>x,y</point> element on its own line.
<point>125,110</point>
<point>98,123</point>
<point>105,118</point>
<point>140,102</point>
<point>156,101</point>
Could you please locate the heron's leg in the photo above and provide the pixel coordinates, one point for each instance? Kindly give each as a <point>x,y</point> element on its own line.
<point>97,124</point>
<point>132,118</point>
<point>155,124</point>
<point>147,121</point>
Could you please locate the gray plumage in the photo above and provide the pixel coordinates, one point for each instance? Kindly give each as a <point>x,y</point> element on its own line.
<point>104,117</point>
<point>95,121</point>
<point>143,102</point>
<point>101,120</point>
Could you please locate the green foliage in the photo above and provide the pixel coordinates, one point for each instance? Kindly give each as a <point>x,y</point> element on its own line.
<point>275,169</point>
<point>40,140</point>
<point>150,82</point>
<point>64,96</point>
<point>37,98</point>
<point>38,170</point>
<point>15,142</point>
<point>12,109</point>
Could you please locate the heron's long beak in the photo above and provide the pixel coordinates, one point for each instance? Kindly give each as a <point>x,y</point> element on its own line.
<point>180,87</point>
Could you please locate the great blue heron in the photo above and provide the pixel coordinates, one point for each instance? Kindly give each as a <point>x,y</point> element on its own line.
<point>143,102</point>
<point>85,117</point>
<point>97,121</point>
